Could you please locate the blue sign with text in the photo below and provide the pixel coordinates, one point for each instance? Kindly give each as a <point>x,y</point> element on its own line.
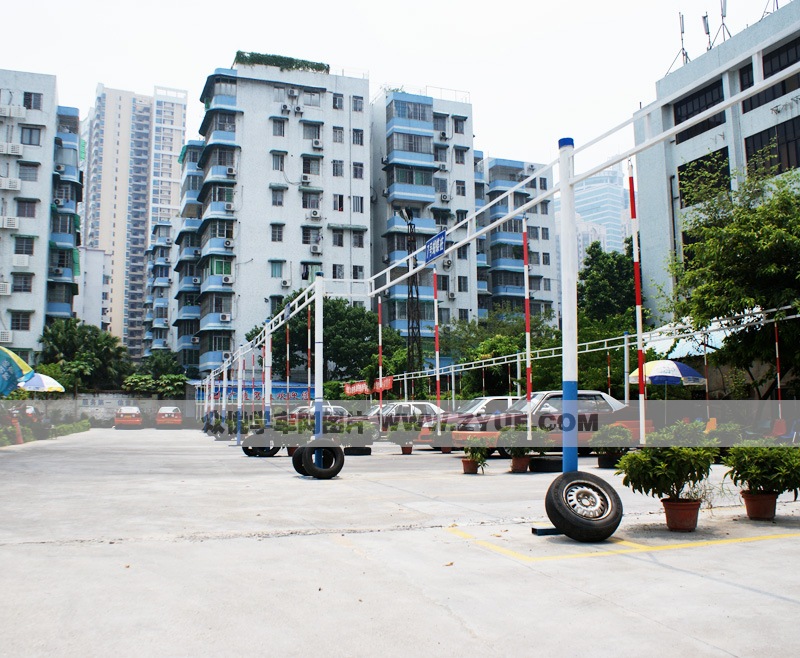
<point>435,247</point>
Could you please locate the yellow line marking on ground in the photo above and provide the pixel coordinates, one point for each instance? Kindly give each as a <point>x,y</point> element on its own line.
<point>635,548</point>
<point>625,542</point>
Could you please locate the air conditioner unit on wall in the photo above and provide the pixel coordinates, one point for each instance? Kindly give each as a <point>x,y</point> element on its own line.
<point>229,207</point>
<point>451,295</point>
<point>298,109</point>
<point>386,191</point>
<point>306,178</point>
<point>445,197</point>
<point>57,271</point>
<point>196,280</point>
<point>286,107</point>
<point>228,244</point>
<point>11,222</point>
<point>315,214</point>
<point>5,288</point>
<point>443,135</point>
<point>293,93</point>
<point>228,278</point>
<point>317,144</point>
<point>226,356</point>
<point>231,171</point>
<point>442,167</point>
<point>59,167</point>
<point>195,340</point>
<point>224,317</point>
<point>168,241</point>
<point>316,249</point>
<point>285,283</point>
<point>58,202</point>
<point>6,336</point>
<point>447,262</point>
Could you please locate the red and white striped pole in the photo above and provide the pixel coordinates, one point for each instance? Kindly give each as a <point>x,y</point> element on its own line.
<point>608,370</point>
<point>637,278</point>
<point>264,383</point>
<point>528,370</point>
<point>308,349</point>
<point>778,370</point>
<point>436,351</point>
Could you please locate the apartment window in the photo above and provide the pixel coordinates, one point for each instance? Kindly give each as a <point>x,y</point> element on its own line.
<point>278,160</point>
<point>713,167</point>
<point>440,122</point>
<point>277,232</point>
<point>545,258</point>
<point>338,237</point>
<point>462,253</point>
<point>544,207</point>
<point>61,223</point>
<point>358,137</point>
<point>358,239</point>
<point>358,204</point>
<point>26,208</point>
<point>277,197</point>
<point>20,321</point>
<point>461,188</point>
<point>32,100</point>
<point>311,98</point>
<point>534,258</point>
<point>696,103</point>
<point>338,271</point>
<point>219,266</point>
<point>463,284</point>
<point>783,140</point>
<point>458,125</point>
<point>311,166</point>
<point>338,135</point>
<point>279,93</point>
<point>358,271</point>
<point>338,167</point>
<point>30,136</point>
<point>461,215</point>
<point>278,128</point>
<point>444,315</point>
<point>542,184</point>
<point>545,233</point>
<point>311,200</point>
<point>338,102</point>
<point>21,282</point>
<point>773,63</point>
<point>23,246</point>
<point>310,235</point>
<point>443,283</point>
<point>461,156</point>
<point>338,202</point>
<point>533,233</point>
<point>276,269</point>
<point>463,314</point>
<point>275,304</point>
<point>440,153</point>
<point>358,103</point>
<point>547,284</point>
<point>310,131</point>
<point>440,185</point>
<point>358,170</point>
<point>28,171</point>
<point>535,284</point>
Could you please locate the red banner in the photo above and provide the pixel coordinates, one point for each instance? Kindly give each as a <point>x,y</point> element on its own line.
<point>362,388</point>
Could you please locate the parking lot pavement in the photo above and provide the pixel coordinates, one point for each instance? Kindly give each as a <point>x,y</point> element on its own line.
<point>165,542</point>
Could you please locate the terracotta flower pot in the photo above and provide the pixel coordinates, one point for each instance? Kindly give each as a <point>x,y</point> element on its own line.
<point>760,506</point>
<point>520,464</point>
<point>406,450</point>
<point>446,450</point>
<point>681,514</point>
<point>470,467</point>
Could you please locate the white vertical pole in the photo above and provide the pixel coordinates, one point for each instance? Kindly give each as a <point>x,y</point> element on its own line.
<point>224,401</point>
<point>627,368</point>
<point>569,306</point>
<point>528,369</point>
<point>319,358</point>
<point>380,361</point>
<point>268,379</point>
<point>436,352</point>
<point>212,391</point>
<point>239,382</point>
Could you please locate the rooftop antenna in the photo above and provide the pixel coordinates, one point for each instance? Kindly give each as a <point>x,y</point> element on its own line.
<point>682,52</point>
<point>774,4</point>
<point>723,29</point>
<point>707,30</point>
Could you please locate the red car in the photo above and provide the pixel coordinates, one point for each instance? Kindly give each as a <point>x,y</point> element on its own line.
<point>128,417</point>
<point>169,417</point>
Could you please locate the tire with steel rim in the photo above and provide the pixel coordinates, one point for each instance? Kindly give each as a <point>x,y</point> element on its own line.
<point>332,459</point>
<point>583,506</point>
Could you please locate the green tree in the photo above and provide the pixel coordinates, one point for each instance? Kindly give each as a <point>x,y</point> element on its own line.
<point>160,362</point>
<point>605,283</point>
<point>740,254</point>
<point>171,386</point>
<point>139,384</point>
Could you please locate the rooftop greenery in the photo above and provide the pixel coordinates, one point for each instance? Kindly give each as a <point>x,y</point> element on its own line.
<point>283,63</point>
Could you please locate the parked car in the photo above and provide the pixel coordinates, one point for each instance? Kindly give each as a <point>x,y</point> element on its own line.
<point>169,417</point>
<point>329,412</point>
<point>128,417</point>
<point>594,409</point>
<point>399,412</point>
<point>486,405</point>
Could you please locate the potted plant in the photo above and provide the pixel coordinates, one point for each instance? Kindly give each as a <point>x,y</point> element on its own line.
<point>520,458</point>
<point>764,472</point>
<point>475,456</point>
<point>513,441</point>
<point>610,443</point>
<point>673,467</point>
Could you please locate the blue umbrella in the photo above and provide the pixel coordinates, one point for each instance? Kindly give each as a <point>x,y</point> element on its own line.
<point>668,372</point>
<point>13,370</point>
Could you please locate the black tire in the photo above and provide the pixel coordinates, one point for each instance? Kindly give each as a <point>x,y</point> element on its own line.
<point>250,452</point>
<point>332,460</point>
<point>357,451</point>
<point>297,461</point>
<point>583,506</point>
<point>267,452</point>
<point>502,452</point>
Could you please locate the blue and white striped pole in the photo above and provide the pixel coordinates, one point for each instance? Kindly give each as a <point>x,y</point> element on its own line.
<point>569,306</point>
<point>319,361</point>
<point>239,409</point>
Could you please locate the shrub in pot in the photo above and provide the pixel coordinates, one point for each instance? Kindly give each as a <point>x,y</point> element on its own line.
<point>764,471</point>
<point>671,472</point>
<point>610,443</point>
<point>475,456</point>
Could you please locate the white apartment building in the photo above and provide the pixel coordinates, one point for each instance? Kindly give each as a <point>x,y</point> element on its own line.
<point>278,189</point>
<point>757,53</point>
<point>40,187</point>
<point>131,182</point>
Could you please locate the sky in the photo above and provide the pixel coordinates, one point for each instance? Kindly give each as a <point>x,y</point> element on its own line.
<point>535,71</point>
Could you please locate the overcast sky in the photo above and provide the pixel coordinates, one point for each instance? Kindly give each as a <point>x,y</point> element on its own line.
<point>535,70</point>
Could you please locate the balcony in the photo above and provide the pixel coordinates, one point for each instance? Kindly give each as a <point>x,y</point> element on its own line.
<point>483,287</point>
<point>161,302</point>
<point>405,192</point>
<point>159,344</point>
<point>509,291</point>
<point>497,211</point>
<point>216,247</point>
<point>189,254</point>
<point>161,282</point>
<point>187,313</point>
<point>411,159</point>
<point>503,237</point>
<point>189,201</point>
<point>210,360</point>
<point>213,322</point>
<point>480,260</point>
<point>185,343</point>
<point>219,174</point>
<point>160,323</point>
<point>190,225</point>
<point>59,309</point>
<point>60,274</point>
<point>508,264</point>
<point>189,284</point>
<point>63,240</point>
<point>401,293</point>
<point>67,173</point>
<point>213,283</point>
<point>218,210</point>
<point>65,205</point>
<point>425,226</point>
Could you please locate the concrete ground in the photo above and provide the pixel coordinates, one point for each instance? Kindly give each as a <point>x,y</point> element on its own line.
<point>147,542</point>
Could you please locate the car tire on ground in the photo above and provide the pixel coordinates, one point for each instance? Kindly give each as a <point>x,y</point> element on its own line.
<point>250,452</point>
<point>503,452</point>
<point>332,460</point>
<point>297,460</point>
<point>583,506</point>
<point>267,452</point>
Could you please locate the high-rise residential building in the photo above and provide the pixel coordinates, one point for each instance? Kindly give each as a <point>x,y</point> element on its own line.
<point>277,190</point>
<point>40,187</point>
<point>132,183</point>
<point>733,135</point>
<point>423,173</point>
